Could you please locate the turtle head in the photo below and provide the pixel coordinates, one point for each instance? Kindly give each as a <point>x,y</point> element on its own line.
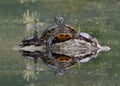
<point>60,22</point>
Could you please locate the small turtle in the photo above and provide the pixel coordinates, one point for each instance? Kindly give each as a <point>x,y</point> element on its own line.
<point>30,40</point>
<point>59,32</point>
<point>84,36</point>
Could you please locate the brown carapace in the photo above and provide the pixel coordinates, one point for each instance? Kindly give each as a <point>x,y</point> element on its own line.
<point>61,37</point>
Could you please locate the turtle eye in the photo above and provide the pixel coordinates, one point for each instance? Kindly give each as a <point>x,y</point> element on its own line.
<point>61,20</point>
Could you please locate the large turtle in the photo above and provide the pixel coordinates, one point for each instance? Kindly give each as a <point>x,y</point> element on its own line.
<point>59,32</point>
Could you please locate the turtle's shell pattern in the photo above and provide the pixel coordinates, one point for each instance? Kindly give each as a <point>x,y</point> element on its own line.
<point>58,36</point>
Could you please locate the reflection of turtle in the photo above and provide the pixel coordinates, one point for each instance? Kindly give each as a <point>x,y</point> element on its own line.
<point>32,55</point>
<point>59,63</point>
<point>62,58</point>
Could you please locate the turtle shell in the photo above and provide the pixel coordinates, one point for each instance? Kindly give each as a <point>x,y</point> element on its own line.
<point>58,36</point>
<point>85,36</point>
<point>30,40</point>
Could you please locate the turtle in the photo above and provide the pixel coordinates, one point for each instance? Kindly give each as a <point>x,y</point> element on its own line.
<point>30,40</point>
<point>59,32</point>
<point>84,36</point>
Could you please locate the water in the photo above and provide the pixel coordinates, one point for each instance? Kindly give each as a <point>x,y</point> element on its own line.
<point>98,18</point>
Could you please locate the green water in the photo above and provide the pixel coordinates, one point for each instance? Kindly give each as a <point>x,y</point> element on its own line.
<point>99,18</point>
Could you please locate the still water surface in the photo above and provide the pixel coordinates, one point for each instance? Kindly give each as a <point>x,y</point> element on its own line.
<point>99,18</point>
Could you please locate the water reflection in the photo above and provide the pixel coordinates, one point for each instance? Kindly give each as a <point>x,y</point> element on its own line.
<point>59,62</point>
